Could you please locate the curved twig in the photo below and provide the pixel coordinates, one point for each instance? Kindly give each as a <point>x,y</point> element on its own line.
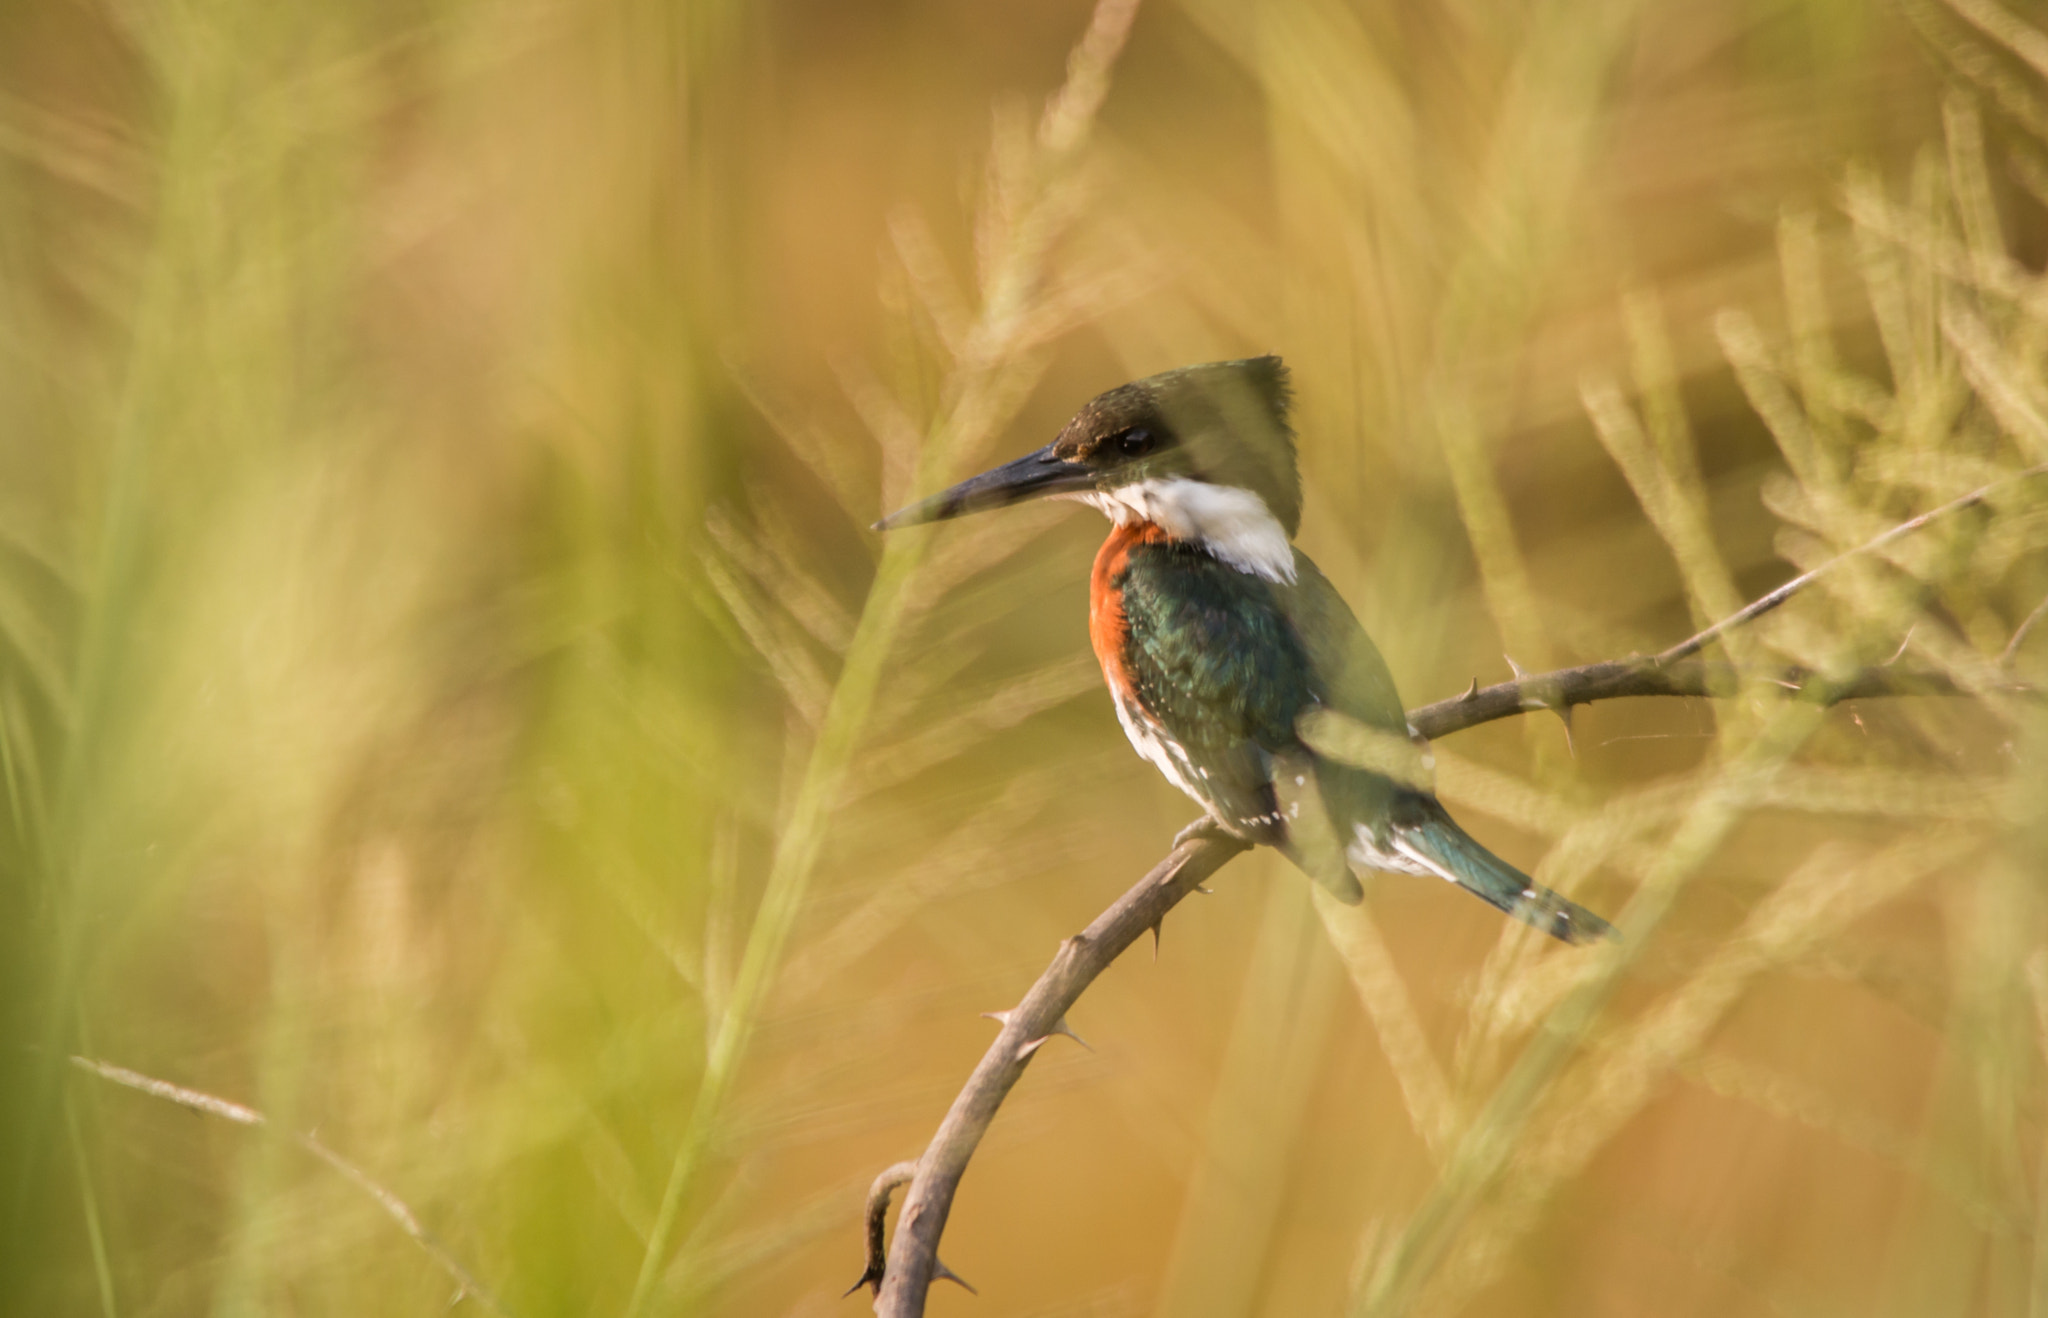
<point>885,1185</point>
<point>1025,1028</point>
<point>394,1207</point>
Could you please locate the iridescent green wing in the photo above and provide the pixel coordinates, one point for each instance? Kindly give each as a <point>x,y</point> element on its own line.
<point>1214,662</point>
<point>1346,670</point>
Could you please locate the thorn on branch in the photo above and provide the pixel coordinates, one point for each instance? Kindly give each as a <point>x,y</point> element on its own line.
<point>1060,1026</point>
<point>1533,693</point>
<point>944,1273</point>
<point>1538,691</point>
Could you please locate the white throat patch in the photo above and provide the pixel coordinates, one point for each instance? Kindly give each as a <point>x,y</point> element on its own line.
<point>1233,524</point>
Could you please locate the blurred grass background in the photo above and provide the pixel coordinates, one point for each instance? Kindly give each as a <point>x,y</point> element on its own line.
<point>449,700</point>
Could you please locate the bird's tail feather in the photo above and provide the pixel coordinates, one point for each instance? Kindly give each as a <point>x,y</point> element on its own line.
<point>1435,842</point>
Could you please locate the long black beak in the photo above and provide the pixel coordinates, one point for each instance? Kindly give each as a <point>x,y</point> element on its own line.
<point>1032,476</point>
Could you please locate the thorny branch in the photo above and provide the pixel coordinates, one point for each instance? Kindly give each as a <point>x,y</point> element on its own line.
<point>395,1208</point>
<point>1610,679</point>
<point>912,1263</point>
<point>913,1256</point>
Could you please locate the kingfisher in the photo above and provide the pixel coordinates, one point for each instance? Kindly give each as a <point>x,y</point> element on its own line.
<point>1226,649</point>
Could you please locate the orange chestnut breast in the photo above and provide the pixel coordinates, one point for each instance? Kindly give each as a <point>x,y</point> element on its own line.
<point>1108,629</point>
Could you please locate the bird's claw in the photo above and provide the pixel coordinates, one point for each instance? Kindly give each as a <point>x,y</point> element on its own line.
<point>1200,830</point>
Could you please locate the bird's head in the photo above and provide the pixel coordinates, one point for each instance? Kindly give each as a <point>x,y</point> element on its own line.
<point>1149,444</point>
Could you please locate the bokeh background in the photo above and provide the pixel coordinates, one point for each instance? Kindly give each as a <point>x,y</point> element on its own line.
<point>450,702</point>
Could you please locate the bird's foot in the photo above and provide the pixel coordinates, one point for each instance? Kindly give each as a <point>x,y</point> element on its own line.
<point>1201,829</point>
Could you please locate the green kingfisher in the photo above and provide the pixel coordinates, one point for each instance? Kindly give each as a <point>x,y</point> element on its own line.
<point>1222,643</point>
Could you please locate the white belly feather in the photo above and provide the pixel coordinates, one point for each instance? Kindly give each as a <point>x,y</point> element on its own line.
<point>1150,740</point>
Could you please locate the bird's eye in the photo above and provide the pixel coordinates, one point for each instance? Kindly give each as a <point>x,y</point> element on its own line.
<point>1134,443</point>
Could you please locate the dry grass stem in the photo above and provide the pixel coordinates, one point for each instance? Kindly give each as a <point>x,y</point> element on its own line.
<point>467,1286</point>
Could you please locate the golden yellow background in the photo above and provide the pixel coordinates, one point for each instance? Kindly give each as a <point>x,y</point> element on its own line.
<point>438,447</point>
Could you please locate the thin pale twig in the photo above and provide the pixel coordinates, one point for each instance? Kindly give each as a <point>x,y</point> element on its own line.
<point>1756,608</point>
<point>2019,634</point>
<point>395,1208</point>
